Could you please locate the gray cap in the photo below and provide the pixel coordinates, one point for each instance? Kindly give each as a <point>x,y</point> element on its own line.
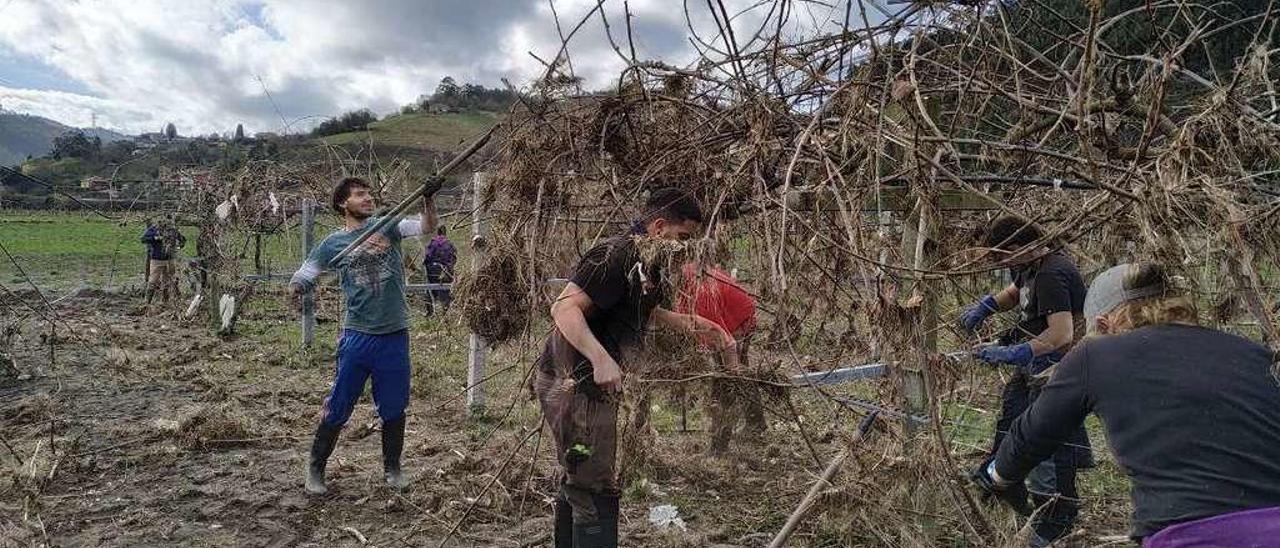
<point>1108,292</point>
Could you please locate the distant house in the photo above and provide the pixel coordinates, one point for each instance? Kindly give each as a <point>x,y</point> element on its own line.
<point>95,183</point>
<point>147,141</point>
<point>184,178</point>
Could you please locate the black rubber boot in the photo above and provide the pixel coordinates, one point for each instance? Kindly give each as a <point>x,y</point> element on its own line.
<point>392,446</point>
<point>326,439</point>
<point>1055,520</point>
<point>564,524</point>
<point>602,533</point>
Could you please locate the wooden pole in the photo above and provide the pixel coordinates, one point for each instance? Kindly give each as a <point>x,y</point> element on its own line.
<point>915,387</point>
<point>477,349</point>
<point>257,253</point>
<point>793,521</point>
<point>308,298</point>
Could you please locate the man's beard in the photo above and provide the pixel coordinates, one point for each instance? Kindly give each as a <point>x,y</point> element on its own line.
<point>359,215</point>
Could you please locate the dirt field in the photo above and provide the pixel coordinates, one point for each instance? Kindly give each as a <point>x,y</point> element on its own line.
<point>135,429</point>
<point>147,430</point>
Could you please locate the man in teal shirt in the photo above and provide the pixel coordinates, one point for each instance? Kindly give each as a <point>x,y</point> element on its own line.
<point>375,329</point>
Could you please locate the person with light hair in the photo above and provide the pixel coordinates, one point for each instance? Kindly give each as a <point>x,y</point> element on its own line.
<point>1192,415</point>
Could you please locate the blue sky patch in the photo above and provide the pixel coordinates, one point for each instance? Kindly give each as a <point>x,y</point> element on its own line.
<point>25,72</point>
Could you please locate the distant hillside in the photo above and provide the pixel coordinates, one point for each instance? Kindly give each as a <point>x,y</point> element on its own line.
<point>440,133</point>
<point>22,135</point>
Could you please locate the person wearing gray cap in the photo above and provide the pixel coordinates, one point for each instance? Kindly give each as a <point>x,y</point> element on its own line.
<point>1192,415</point>
<point>1049,293</point>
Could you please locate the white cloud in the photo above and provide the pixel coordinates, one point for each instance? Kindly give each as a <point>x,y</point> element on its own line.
<point>72,108</point>
<point>203,65</point>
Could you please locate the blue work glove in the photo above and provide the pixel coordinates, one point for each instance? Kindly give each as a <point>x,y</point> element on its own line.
<point>1012,493</point>
<point>973,316</point>
<point>1018,354</point>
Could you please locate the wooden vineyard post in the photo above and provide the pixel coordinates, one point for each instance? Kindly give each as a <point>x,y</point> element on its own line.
<point>257,254</point>
<point>308,298</point>
<point>477,349</point>
<point>918,233</point>
<point>208,248</point>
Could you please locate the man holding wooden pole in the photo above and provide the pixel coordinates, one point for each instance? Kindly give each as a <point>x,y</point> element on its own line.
<point>374,342</point>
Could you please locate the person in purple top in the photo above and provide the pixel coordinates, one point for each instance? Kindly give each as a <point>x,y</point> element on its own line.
<point>439,261</point>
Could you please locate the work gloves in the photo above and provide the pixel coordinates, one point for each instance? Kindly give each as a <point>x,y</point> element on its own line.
<point>1019,355</point>
<point>1012,493</point>
<point>974,316</point>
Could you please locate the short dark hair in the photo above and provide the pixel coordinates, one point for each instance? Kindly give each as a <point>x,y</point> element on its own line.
<point>442,231</point>
<point>672,204</point>
<point>342,191</point>
<point>1010,233</point>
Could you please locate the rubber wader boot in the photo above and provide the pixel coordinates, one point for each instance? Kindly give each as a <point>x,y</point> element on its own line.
<point>1055,520</point>
<point>602,533</point>
<point>564,524</point>
<point>392,446</point>
<point>321,448</point>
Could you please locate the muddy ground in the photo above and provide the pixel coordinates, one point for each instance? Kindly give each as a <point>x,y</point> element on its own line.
<point>149,430</point>
<point>136,429</point>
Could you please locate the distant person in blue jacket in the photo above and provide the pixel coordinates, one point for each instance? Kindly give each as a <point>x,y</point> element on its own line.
<point>163,240</point>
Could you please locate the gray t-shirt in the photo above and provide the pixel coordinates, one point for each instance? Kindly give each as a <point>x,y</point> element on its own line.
<point>371,276</point>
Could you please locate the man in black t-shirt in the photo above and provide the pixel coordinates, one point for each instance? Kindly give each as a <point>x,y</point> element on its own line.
<point>601,317</point>
<point>1049,293</point>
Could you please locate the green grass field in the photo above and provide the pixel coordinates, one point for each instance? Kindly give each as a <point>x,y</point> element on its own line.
<point>61,251</point>
<point>64,250</point>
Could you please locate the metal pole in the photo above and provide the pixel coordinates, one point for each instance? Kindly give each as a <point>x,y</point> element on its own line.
<point>477,350</point>
<point>308,298</point>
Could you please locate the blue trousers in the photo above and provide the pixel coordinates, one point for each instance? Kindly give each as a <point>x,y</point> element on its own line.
<point>385,358</point>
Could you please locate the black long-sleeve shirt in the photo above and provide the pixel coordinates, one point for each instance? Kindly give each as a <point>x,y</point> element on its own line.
<point>1192,414</point>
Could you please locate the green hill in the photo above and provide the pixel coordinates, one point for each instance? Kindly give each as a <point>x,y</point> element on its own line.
<point>439,133</point>
<point>22,135</point>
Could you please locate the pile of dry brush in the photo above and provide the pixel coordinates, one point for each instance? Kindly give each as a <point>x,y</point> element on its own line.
<point>848,172</point>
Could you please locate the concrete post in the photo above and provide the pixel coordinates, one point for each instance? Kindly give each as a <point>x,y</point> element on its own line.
<point>477,349</point>
<point>308,298</point>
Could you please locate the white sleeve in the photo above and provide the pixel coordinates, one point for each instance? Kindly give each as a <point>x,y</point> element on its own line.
<point>410,228</point>
<point>306,274</point>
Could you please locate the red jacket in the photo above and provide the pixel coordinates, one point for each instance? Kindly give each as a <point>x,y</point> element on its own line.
<point>716,296</point>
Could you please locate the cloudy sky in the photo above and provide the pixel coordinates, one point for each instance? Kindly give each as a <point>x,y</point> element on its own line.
<point>207,65</point>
